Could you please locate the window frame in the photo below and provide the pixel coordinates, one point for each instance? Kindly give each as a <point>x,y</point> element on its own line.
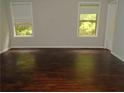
<point>14,19</point>
<point>97,19</point>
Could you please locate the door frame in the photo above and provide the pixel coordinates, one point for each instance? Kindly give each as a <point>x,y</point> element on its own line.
<point>111,24</point>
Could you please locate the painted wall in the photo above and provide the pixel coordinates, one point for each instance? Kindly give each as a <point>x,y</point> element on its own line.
<point>118,44</point>
<point>55,24</point>
<point>4,23</point>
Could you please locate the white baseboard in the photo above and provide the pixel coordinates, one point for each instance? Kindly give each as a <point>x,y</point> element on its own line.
<point>57,47</point>
<point>4,50</point>
<point>116,55</point>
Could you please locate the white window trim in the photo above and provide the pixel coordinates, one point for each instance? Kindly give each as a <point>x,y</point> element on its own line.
<point>98,18</point>
<point>13,20</point>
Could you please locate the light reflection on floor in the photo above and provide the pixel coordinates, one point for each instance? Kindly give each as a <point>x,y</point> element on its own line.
<point>85,67</point>
<point>25,62</point>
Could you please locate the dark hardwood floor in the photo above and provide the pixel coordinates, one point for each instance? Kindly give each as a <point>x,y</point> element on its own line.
<point>61,70</point>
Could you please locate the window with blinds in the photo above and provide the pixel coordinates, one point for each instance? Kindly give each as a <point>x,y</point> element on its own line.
<point>22,18</point>
<point>88,15</point>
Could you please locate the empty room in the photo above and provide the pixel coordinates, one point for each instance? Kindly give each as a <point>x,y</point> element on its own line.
<point>61,46</point>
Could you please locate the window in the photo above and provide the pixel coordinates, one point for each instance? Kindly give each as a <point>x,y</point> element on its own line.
<point>22,18</point>
<point>88,20</point>
<point>23,29</point>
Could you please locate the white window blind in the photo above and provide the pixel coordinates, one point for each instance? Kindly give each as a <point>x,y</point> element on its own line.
<point>89,8</point>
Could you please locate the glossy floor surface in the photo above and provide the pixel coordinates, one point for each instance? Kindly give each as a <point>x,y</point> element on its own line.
<point>61,70</point>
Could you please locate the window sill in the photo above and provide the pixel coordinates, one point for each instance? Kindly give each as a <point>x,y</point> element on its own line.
<point>23,36</point>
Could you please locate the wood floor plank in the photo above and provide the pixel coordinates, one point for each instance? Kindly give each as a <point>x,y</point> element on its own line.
<point>61,70</point>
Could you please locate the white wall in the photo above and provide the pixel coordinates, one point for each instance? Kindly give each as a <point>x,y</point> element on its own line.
<point>118,44</point>
<point>4,24</point>
<point>55,24</point>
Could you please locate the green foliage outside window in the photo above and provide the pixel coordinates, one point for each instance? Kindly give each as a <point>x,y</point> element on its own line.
<point>23,29</point>
<point>87,25</point>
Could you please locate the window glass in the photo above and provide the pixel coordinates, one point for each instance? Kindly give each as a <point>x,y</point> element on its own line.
<point>23,29</point>
<point>87,25</point>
